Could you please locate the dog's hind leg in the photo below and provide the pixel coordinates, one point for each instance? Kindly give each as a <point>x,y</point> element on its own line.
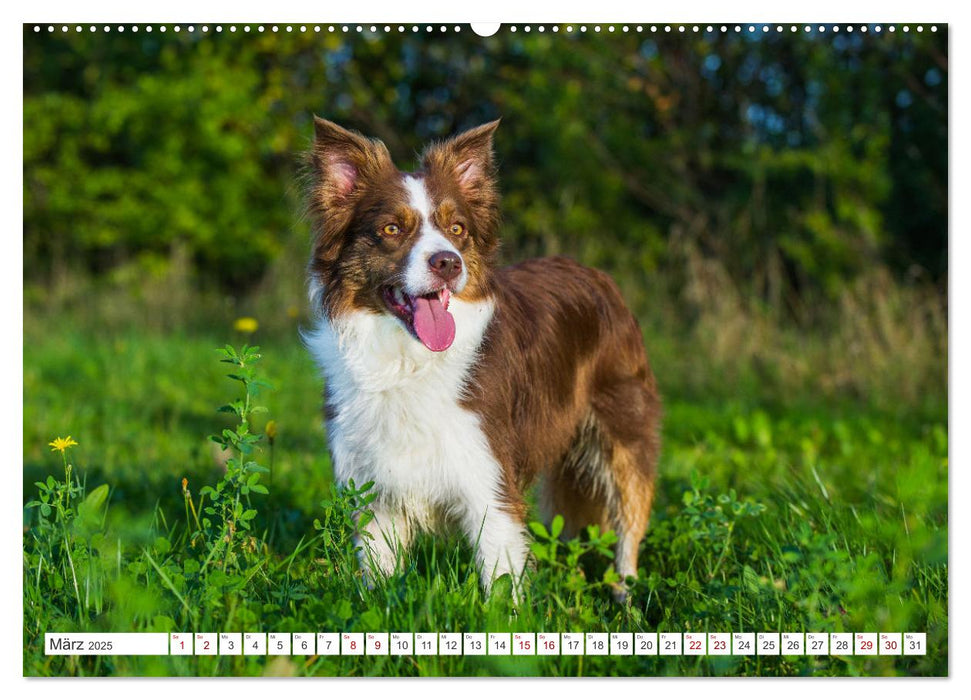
<point>607,483</point>
<point>630,511</point>
<point>607,476</point>
<point>629,415</point>
<point>576,488</point>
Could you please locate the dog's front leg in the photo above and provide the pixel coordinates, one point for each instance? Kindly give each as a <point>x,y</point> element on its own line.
<point>381,542</point>
<point>499,540</point>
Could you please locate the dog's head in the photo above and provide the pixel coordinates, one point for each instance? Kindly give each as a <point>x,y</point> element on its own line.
<point>399,243</point>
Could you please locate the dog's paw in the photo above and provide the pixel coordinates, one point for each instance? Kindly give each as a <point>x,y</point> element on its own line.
<point>620,593</point>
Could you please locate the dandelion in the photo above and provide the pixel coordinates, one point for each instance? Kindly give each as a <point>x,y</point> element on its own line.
<point>246,324</point>
<point>61,444</point>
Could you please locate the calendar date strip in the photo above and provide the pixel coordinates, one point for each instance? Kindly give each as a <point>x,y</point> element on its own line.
<point>486,644</point>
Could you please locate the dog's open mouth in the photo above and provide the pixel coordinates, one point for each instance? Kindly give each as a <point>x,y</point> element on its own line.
<point>426,316</point>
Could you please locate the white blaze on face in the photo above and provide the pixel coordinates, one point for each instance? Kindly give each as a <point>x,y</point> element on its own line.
<point>418,277</point>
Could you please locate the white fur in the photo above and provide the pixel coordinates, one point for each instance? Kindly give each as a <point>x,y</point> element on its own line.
<point>418,277</point>
<point>399,422</point>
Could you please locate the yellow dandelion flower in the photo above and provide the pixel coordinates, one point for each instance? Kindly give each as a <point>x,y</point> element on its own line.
<point>271,430</point>
<point>246,324</point>
<point>60,444</point>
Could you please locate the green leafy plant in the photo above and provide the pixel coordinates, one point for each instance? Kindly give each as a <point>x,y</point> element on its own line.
<point>712,520</point>
<point>67,535</point>
<point>561,560</point>
<point>209,564</point>
<point>227,519</point>
<point>345,514</point>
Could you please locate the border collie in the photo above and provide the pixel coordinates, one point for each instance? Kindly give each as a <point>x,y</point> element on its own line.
<point>453,384</point>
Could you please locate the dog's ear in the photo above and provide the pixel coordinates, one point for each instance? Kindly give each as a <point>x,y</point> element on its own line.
<point>338,168</point>
<point>467,162</point>
<point>341,161</point>
<point>468,158</point>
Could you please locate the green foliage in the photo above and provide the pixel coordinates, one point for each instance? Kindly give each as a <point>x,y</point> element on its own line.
<point>345,513</point>
<point>560,561</point>
<point>63,552</point>
<point>710,522</point>
<point>228,518</point>
<point>204,565</point>
<point>797,159</point>
<point>804,516</point>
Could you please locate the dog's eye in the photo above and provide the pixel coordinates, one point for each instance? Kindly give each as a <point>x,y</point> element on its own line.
<point>391,230</point>
<point>456,229</point>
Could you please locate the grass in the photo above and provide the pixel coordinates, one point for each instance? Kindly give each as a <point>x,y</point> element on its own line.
<point>778,509</point>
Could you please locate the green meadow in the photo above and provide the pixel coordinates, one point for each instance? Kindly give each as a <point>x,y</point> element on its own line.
<point>780,507</point>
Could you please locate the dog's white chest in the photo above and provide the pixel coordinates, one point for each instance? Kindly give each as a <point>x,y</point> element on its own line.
<point>398,418</point>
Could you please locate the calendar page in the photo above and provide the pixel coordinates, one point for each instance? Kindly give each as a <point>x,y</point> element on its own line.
<point>523,349</point>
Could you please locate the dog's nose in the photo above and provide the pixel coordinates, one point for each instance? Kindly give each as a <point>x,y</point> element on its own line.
<point>446,264</point>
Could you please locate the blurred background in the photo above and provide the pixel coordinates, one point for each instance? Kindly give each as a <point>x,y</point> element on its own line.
<point>773,205</point>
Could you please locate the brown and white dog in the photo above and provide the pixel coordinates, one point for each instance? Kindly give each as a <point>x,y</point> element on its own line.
<point>453,384</point>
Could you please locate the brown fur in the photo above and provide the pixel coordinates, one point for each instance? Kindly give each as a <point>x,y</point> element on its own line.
<point>565,391</point>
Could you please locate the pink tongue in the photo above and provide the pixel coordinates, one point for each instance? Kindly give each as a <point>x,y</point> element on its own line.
<point>434,326</point>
